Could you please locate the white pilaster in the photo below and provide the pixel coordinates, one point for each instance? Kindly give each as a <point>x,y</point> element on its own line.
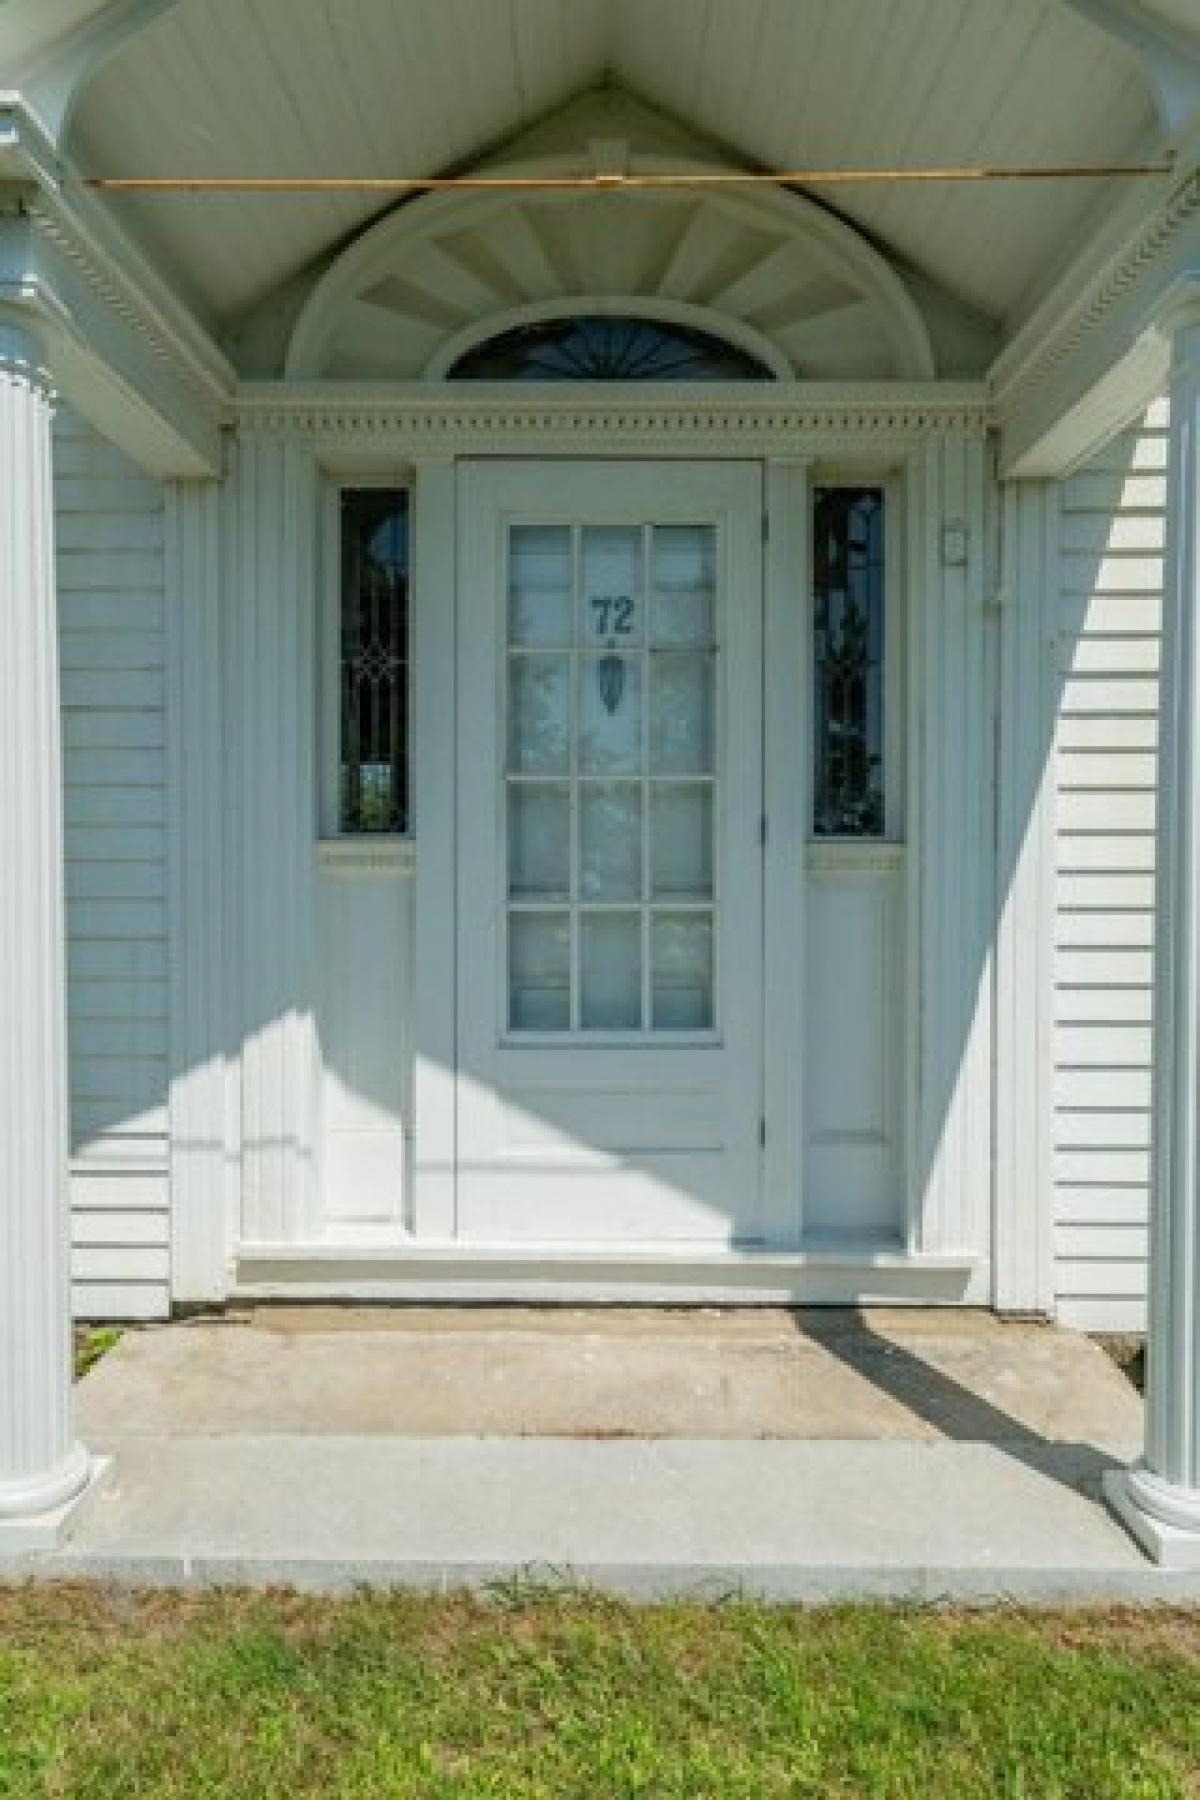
<point>271,821</point>
<point>42,1468</point>
<point>201,1060</point>
<point>1027,630</point>
<point>949,867</point>
<point>435,1055</point>
<point>1159,1500</point>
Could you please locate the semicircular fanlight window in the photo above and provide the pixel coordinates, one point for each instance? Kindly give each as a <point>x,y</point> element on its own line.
<point>603,347</point>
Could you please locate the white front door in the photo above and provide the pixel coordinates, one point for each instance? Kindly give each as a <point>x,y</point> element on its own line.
<point>609,960</point>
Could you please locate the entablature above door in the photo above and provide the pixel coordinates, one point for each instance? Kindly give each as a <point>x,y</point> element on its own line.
<point>360,426</point>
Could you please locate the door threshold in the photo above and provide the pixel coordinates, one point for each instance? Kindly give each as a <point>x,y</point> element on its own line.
<point>860,1273</point>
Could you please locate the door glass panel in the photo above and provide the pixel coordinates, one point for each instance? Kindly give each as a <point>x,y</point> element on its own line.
<point>681,713</point>
<point>538,716</point>
<point>610,711</point>
<point>685,576</point>
<point>611,595</point>
<point>539,841</point>
<point>611,985</point>
<point>681,971</point>
<point>611,849</point>
<point>612,781</point>
<point>681,841</point>
<point>539,952</point>
<point>540,586</point>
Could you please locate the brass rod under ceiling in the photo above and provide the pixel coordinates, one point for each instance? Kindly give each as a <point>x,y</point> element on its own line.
<point>617,181</point>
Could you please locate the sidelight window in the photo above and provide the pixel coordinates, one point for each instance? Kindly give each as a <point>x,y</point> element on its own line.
<point>848,662</point>
<point>373,659</point>
<point>611,777</point>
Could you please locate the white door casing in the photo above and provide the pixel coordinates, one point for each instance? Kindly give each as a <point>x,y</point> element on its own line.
<point>609,1106</point>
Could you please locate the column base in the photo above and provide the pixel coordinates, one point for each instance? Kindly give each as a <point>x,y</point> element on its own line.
<point>1162,1518</point>
<point>47,1529</point>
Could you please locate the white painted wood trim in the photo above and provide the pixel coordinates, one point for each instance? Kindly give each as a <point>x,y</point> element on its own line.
<point>1090,357</point>
<point>199,892</point>
<point>371,427</point>
<point>1023,1225</point>
<point>949,884</point>
<point>272,811</point>
<point>433,650</point>
<point>114,354</point>
<point>787,762</point>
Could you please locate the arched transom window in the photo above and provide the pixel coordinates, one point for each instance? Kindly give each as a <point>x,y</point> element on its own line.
<point>607,347</point>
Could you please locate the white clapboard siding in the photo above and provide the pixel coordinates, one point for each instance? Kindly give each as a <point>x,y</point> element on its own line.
<point>1111,574</point>
<point>109,536</point>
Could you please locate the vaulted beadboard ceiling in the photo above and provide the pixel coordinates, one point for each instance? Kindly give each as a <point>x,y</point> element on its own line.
<point>405,87</point>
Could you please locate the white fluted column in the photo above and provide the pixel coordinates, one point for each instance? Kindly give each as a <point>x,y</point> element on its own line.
<point>42,1467</point>
<point>1160,1499</point>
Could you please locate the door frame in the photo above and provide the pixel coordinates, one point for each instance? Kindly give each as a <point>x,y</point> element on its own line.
<point>786,715</point>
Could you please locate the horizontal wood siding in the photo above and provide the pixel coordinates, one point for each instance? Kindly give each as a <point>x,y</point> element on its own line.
<point>109,525</point>
<point>1113,528</point>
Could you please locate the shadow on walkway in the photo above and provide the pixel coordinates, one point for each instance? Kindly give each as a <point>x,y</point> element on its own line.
<point>953,1409</point>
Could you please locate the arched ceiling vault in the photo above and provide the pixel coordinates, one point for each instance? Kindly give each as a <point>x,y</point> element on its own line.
<point>308,86</point>
<point>55,47</point>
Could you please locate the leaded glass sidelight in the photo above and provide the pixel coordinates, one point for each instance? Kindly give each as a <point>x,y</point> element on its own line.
<point>611,777</point>
<point>373,661</point>
<point>848,627</point>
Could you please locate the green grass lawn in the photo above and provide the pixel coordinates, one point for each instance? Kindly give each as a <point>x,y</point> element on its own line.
<point>106,1694</point>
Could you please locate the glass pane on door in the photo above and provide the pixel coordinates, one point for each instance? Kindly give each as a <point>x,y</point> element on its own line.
<point>612,779</point>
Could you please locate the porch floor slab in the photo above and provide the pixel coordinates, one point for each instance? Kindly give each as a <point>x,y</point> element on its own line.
<point>902,1456</point>
<point>612,1373</point>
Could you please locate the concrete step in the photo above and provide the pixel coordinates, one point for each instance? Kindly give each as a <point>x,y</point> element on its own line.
<point>805,1520</point>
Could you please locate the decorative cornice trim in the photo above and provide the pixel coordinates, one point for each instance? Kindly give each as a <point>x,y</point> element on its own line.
<point>203,383</point>
<point>1097,301</point>
<point>747,418</point>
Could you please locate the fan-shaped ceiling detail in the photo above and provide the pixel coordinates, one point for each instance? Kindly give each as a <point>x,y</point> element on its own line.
<point>764,269</point>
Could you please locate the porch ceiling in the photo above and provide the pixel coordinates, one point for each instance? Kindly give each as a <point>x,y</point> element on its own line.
<point>361,87</point>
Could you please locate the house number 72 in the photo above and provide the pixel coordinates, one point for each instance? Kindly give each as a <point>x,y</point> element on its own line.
<point>614,615</point>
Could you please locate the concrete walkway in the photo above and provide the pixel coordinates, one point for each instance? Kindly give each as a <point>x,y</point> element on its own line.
<point>809,1456</point>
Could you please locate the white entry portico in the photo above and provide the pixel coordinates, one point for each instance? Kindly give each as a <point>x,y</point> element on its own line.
<point>608,724</point>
